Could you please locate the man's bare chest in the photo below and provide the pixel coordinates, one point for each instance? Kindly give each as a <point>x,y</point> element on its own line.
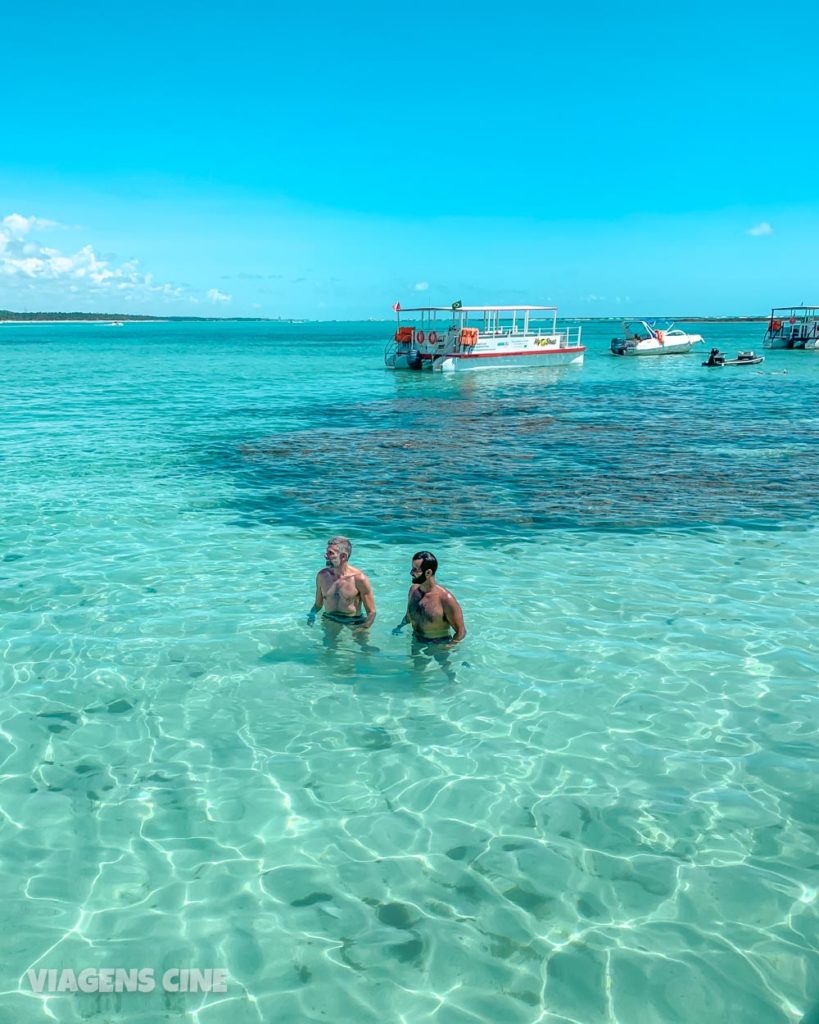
<point>426,606</point>
<point>343,587</point>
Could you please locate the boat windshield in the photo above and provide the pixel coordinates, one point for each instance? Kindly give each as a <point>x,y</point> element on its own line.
<point>644,330</point>
<point>637,330</point>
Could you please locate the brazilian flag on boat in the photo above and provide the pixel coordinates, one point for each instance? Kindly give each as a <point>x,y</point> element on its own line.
<point>457,305</point>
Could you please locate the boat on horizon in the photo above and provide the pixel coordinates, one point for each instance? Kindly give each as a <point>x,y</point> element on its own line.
<point>793,327</point>
<point>458,337</point>
<point>644,338</point>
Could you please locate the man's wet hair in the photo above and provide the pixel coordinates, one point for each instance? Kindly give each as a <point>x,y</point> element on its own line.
<point>427,560</point>
<point>343,545</point>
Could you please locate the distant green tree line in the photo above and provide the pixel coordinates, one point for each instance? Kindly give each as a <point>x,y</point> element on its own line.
<point>8,314</point>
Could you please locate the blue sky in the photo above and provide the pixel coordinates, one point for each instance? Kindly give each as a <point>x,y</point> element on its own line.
<point>327,160</point>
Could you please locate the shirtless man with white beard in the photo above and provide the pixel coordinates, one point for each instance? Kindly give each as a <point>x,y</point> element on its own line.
<point>342,591</point>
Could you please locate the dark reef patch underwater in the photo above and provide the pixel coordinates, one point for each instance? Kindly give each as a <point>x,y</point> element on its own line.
<point>504,463</point>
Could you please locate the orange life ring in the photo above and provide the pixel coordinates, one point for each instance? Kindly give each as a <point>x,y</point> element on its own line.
<point>433,337</point>
<point>792,320</point>
<point>419,337</point>
<point>774,326</point>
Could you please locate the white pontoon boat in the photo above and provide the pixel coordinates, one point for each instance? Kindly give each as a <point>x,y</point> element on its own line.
<point>793,327</point>
<point>461,337</point>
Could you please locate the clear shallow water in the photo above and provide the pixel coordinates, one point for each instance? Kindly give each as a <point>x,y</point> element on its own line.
<point>602,807</point>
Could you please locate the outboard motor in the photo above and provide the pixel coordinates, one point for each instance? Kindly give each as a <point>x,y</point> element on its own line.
<point>620,346</point>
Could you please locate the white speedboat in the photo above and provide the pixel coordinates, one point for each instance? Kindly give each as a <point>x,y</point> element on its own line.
<point>641,338</point>
<point>793,327</point>
<point>458,337</point>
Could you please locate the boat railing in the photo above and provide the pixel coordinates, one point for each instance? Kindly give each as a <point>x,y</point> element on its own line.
<point>566,337</point>
<point>546,334</point>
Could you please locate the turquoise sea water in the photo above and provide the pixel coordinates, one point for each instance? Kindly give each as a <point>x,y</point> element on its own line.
<point>602,807</point>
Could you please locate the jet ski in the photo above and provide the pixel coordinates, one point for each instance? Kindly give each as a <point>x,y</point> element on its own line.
<point>717,358</point>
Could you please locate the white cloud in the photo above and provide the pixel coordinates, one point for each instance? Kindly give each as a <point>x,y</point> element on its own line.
<point>763,228</point>
<point>26,262</point>
<point>422,286</point>
<point>15,225</point>
<point>216,296</point>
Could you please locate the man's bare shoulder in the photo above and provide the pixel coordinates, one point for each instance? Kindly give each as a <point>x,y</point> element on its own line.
<point>324,574</point>
<point>448,596</point>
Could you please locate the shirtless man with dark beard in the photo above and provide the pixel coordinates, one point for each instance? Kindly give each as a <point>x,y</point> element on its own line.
<point>342,590</point>
<point>431,608</point>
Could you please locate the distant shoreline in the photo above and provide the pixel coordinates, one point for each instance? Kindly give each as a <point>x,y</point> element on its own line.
<point>103,321</point>
<point>676,319</point>
<point>46,318</point>
<point>111,318</point>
